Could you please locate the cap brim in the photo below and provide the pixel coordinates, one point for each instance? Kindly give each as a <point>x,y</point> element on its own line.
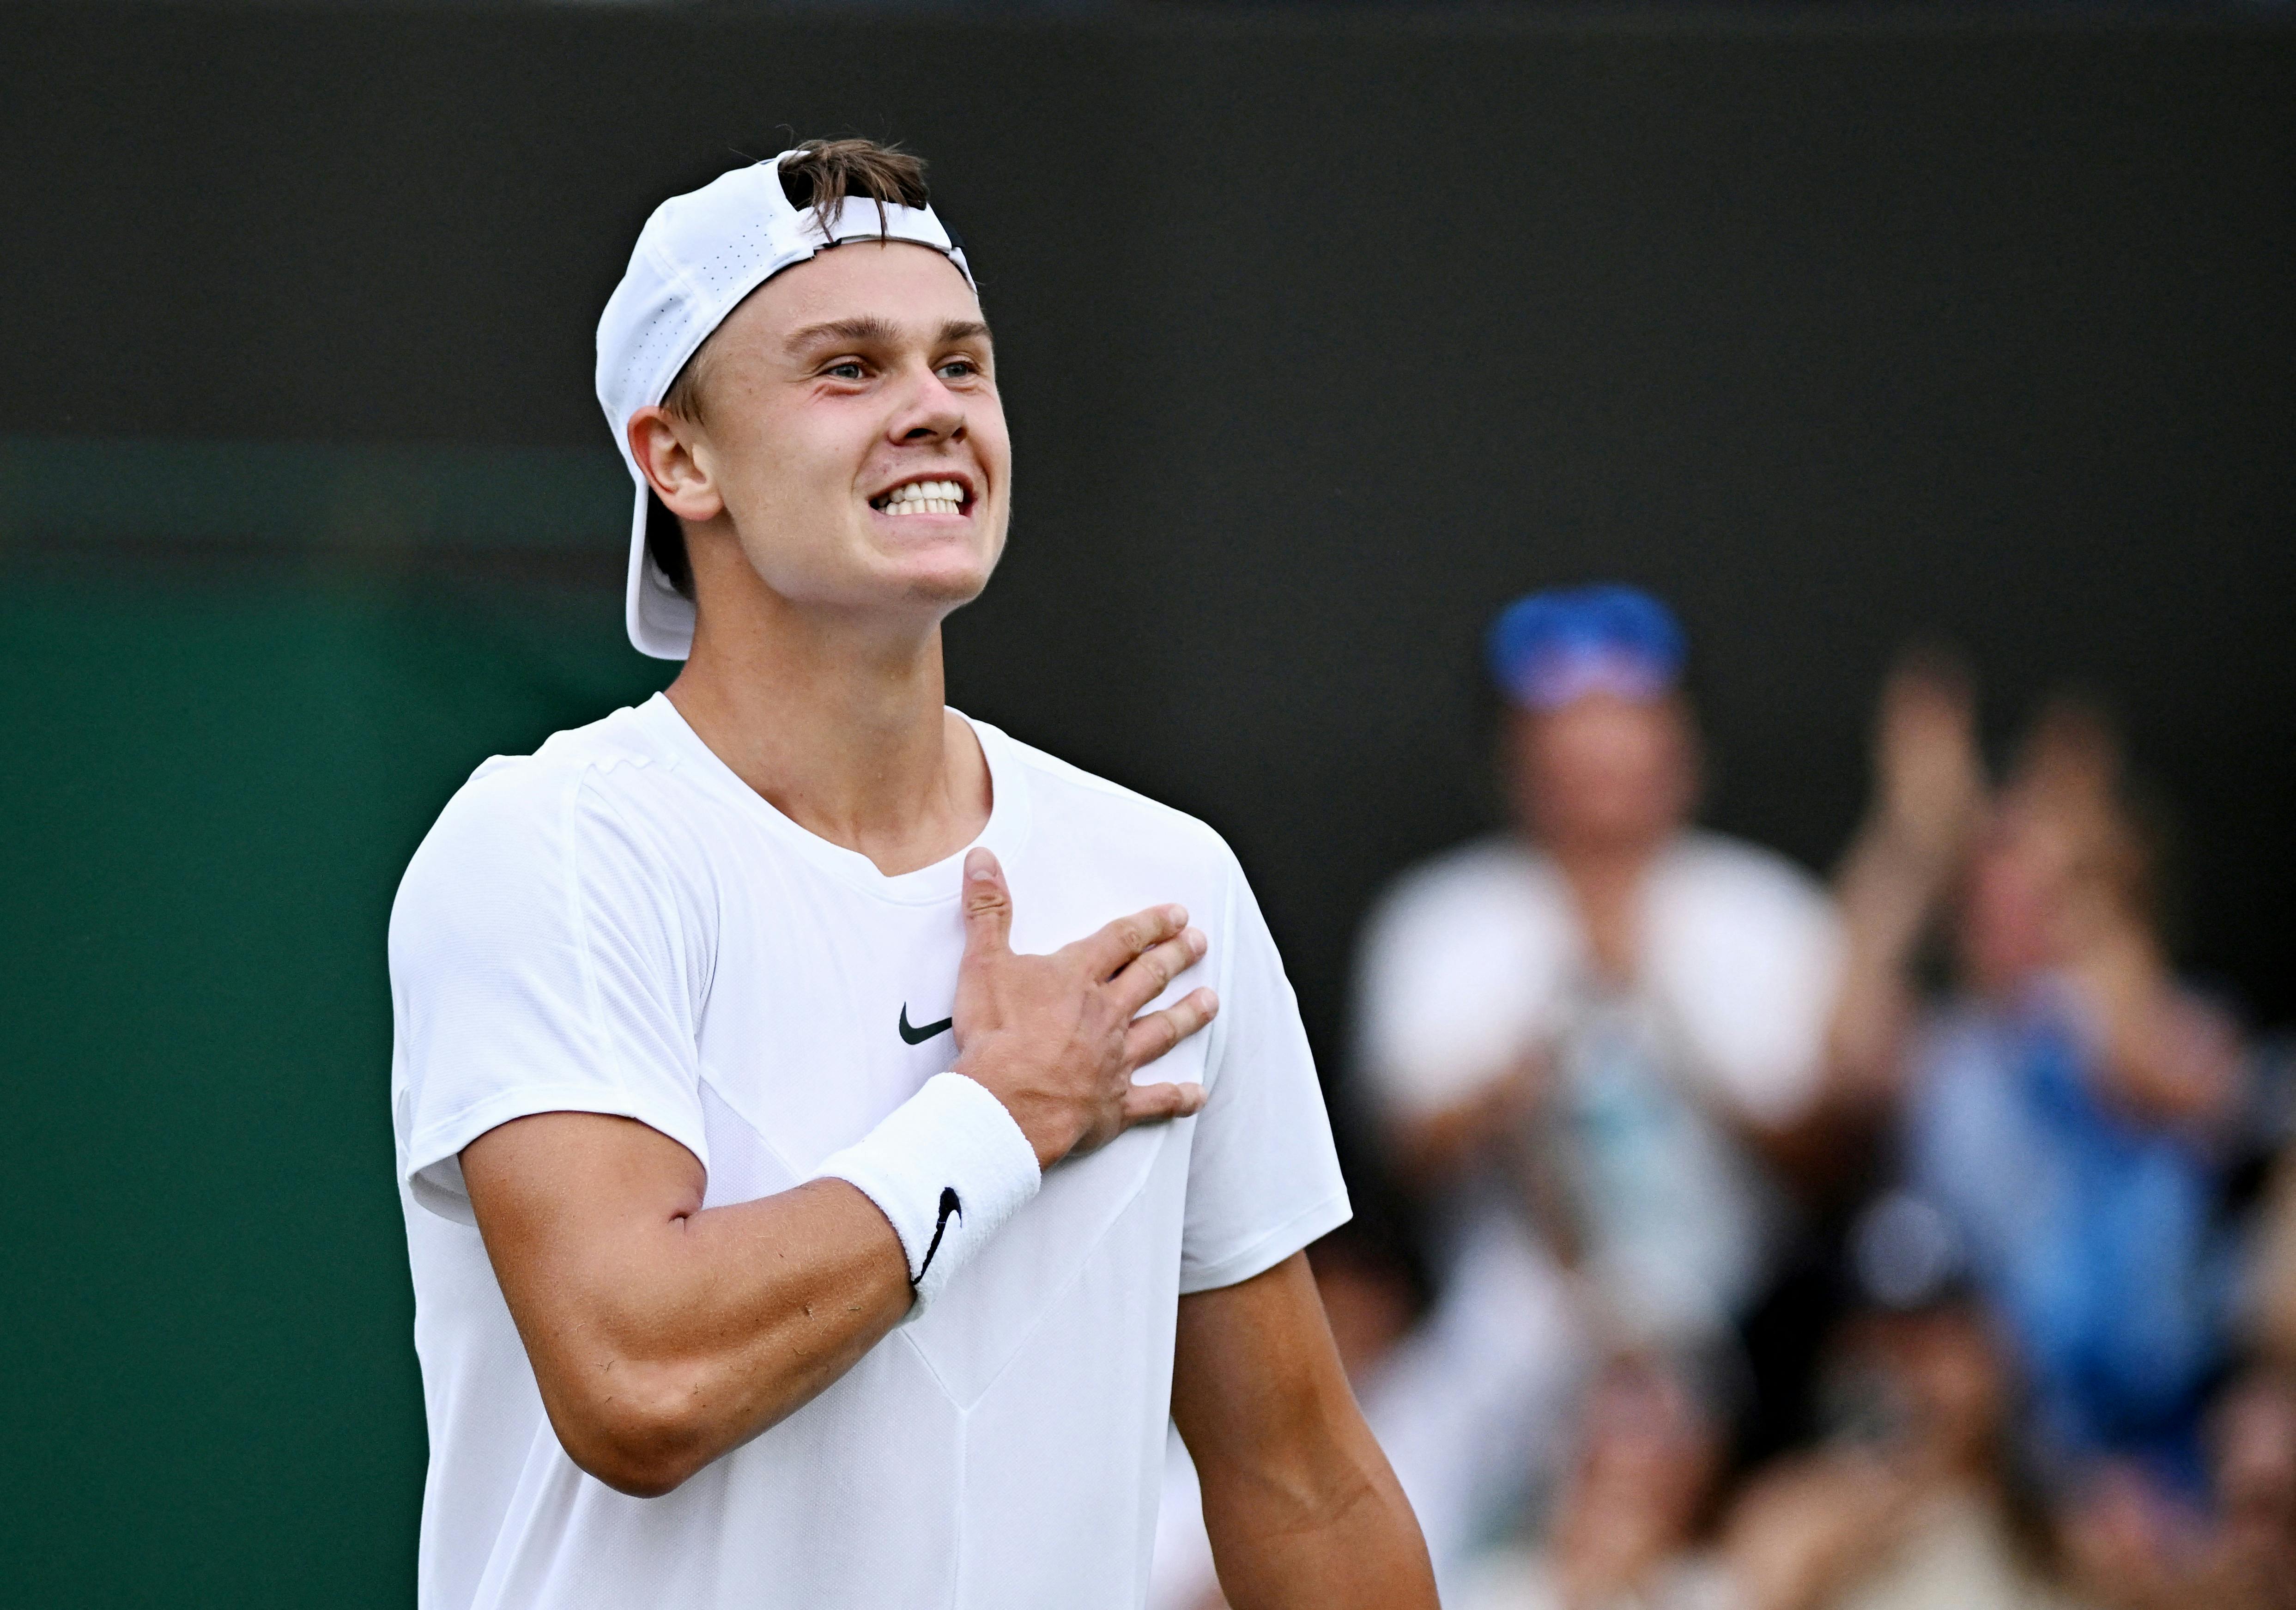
<point>661,621</point>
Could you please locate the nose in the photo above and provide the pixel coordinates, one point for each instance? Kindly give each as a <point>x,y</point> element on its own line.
<point>930,412</point>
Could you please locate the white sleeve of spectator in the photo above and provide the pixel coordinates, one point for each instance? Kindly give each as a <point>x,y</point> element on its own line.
<point>1747,949</point>
<point>539,961</point>
<point>1459,973</point>
<point>1397,962</point>
<point>1263,1175</point>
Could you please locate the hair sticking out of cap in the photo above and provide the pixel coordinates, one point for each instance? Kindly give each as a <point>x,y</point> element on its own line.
<point>822,174</point>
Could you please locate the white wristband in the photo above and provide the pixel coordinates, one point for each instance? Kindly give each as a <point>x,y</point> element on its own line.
<point>948,1166</point>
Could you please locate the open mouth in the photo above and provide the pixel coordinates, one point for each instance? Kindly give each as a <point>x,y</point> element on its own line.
<point>925,496</point>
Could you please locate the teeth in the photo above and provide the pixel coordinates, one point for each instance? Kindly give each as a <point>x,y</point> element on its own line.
<point>925,497</point>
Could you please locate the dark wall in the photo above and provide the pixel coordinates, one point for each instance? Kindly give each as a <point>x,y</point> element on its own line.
<point>1323,336</point>
<point>1321,339</point>
<point>1320,335</point>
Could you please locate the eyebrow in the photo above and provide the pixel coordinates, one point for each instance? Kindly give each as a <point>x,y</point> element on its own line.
<point>869,329</point>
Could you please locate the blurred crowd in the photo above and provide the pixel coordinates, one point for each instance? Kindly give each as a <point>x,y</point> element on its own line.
<point>1920,1240</point>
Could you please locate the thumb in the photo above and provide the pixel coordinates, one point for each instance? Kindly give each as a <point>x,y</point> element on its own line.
<point>987,906</point>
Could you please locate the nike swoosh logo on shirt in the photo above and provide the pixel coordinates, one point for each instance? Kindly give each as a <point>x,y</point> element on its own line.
<point>917,1037</point>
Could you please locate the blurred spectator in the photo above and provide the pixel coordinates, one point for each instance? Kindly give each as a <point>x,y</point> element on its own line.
<point>1627,1528</point>
<point>1911,1503</point>
<point>2071,1113</point>
<point>2069,1107</point>
<point>1914,1502</point>
<point>2271,1285</point>
<point>1589,1038</point>
<point>2252,1562</point>
<point>1607,1048</point>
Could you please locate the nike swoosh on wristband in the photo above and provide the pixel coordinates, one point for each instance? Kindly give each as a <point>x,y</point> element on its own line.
<point>917,1037</point>
<point>949,1204</point>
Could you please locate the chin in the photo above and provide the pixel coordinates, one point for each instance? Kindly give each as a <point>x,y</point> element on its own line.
<point>948,589</point>
<point>949,577</point>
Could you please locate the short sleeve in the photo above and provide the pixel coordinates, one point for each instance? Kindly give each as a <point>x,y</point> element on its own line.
<point>1263,1175</point>
<point>1459,971</point>
<point>1747,951</point>
<point>542,959</point>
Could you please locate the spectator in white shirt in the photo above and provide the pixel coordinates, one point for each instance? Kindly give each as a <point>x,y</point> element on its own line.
<point>1586,1036</point>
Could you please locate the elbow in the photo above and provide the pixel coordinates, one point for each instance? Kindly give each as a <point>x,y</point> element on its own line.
<point>636,1472</point>
<point>641,1441</point>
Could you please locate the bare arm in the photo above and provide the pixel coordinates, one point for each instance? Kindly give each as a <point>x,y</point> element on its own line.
<point>1302,1507</point>
<point>663,1335</point>
<point>1433,1148</point>
<point>1929,796</point>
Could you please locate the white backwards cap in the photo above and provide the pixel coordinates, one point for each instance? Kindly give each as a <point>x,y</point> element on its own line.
<point>697,256</point>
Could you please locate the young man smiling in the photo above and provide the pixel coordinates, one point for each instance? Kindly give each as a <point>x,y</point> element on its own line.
<point>784,1231</point>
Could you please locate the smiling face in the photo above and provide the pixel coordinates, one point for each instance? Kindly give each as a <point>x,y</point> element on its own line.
<point>847,449</point>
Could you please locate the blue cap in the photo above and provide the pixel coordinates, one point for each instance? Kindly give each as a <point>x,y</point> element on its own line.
<point>1547,649</point>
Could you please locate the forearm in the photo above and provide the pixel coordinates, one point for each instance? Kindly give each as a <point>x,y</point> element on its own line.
<point>1429,1149</point>
<point>663,1335</point>
<point>1887,890</point>
<point>733,1319</point>
<point>1432,1147</point>
<point>1301,1504</point>
<point>1333,1538</point>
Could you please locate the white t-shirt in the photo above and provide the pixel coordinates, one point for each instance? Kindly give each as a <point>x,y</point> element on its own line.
<point>619,924</point>
<point>1479,957</point>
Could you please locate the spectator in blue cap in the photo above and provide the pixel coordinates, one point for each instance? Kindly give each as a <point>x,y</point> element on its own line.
<point>1583,1034</point>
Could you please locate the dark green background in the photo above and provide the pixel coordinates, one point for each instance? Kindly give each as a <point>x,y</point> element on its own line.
<point>1322,334</point>
<point>212,784</point>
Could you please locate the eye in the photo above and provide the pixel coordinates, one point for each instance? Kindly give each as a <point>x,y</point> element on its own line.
<point>845,368</point>
<point>959,368</point>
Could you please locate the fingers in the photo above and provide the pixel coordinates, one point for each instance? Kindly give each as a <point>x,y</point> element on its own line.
<point>1112,950</point>
<point>1153,1035</point>
<point>1144,979</point>
<point>987,906</point>
<point>1155,1104</point>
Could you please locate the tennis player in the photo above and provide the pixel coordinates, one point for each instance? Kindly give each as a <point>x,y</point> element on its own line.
<point>833,1135</point>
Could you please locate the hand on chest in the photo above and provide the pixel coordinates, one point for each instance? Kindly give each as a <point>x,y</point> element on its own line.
<point>816,1030</point>
<point>825,1013</point>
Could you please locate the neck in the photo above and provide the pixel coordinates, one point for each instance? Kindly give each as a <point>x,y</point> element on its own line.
<point>838,723</point>
<point>1605,879</point>
<point>1604,862</point>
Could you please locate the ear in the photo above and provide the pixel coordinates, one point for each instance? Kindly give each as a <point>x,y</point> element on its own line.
<point>674,459</point>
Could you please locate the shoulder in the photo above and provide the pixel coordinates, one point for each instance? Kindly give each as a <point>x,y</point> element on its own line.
<point>1726,881</point>
<point>517,787</point>
<point>1741,925</point>
<point>1462,959</point>
<point>523,826</point>
<point>1067,801</point>
<point>1493,880</point>
<point>1747,948</point>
